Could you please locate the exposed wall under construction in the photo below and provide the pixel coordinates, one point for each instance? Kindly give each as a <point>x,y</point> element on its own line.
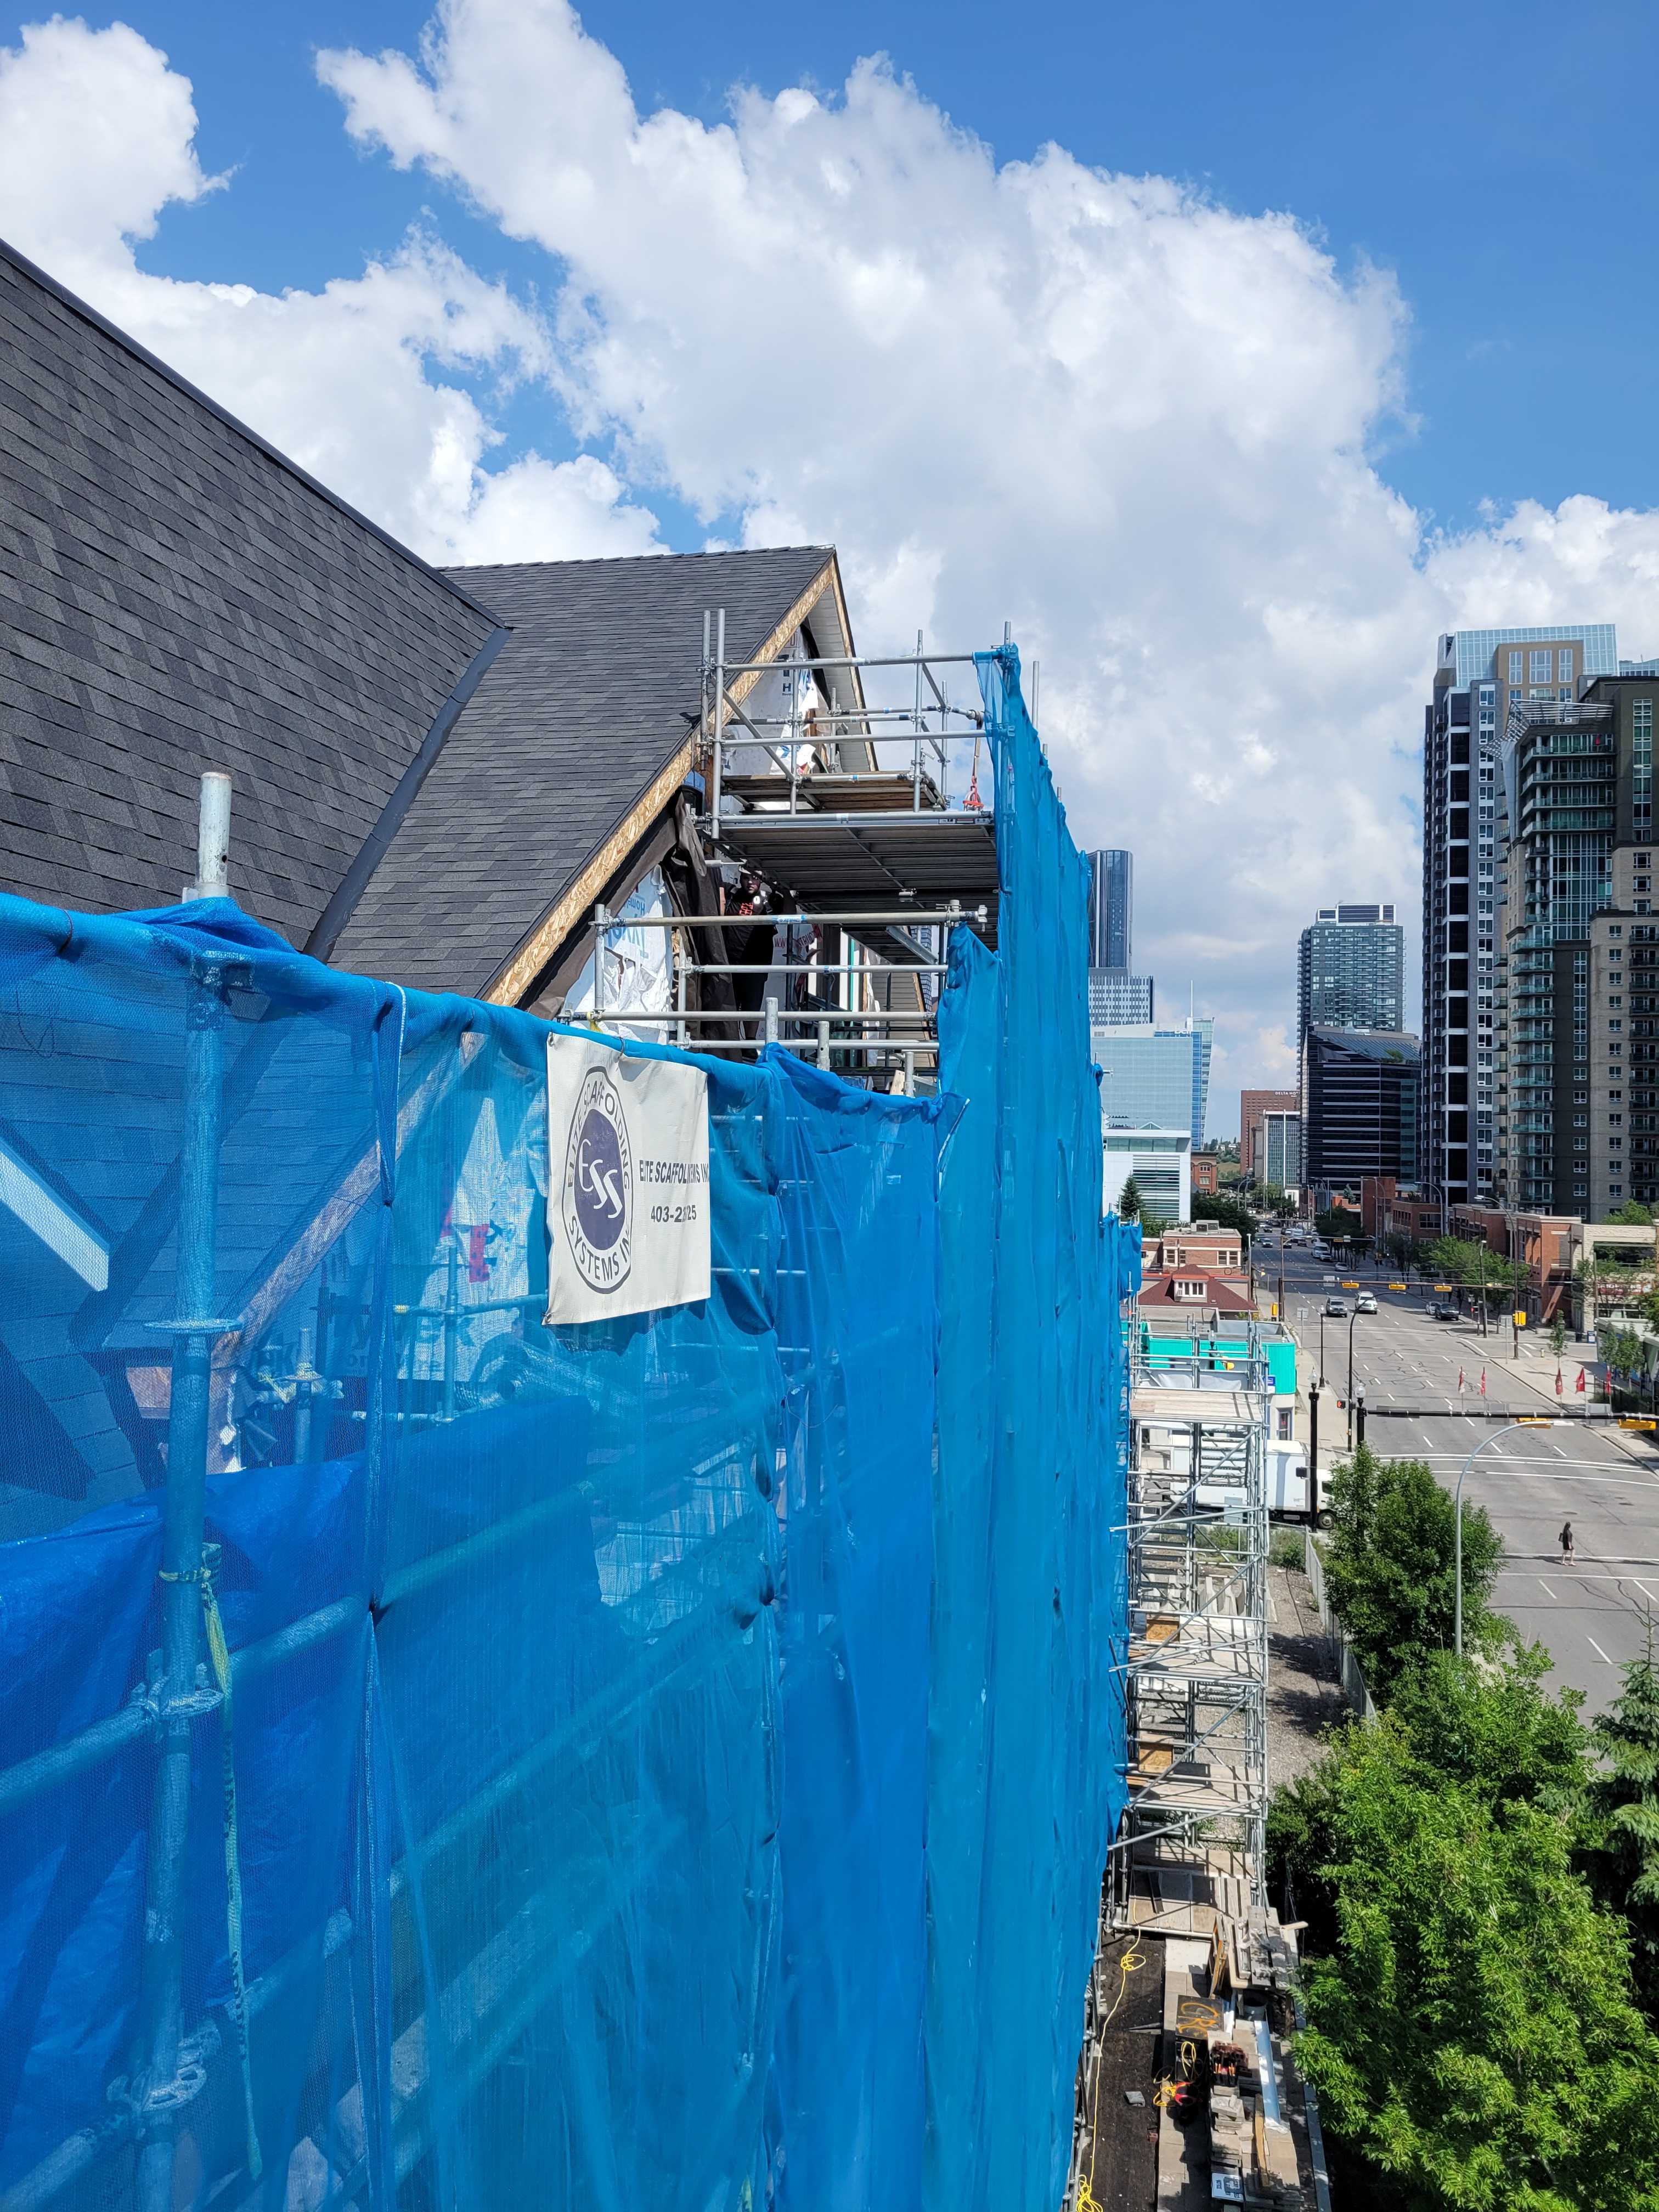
<point>450,1760</point>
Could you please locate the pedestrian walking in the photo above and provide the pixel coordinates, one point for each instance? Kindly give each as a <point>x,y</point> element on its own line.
<point>1566,1543</point>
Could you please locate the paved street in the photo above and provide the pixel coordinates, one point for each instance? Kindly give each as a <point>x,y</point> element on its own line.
<point>1604,1481</point>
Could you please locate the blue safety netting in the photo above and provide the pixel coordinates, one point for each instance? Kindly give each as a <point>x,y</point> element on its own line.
<point>668,1759</point>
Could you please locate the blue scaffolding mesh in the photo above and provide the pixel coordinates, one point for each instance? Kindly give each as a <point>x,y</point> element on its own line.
<point>447,1761</point>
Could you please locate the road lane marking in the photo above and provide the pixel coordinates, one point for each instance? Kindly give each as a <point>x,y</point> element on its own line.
<point>1547,1591</point>
<point>1596,1648</point>
<point>1645,1591</point>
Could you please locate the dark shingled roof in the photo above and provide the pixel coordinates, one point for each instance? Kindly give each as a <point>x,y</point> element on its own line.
<point>176,596</point>
<point>593,695</point>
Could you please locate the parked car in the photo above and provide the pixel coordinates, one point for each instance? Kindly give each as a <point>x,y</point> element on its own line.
<point>1337,1308</point>
<point>1365,1302</point>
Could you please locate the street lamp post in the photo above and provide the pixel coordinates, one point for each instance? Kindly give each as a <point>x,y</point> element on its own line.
<point>1457,1520</point>
<point>1353,1318</point>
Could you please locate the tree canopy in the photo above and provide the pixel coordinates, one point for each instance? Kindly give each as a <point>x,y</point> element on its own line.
<point>1479,1873</point>
<point>1625,1799</point>
<point>1129,1201</point>
<point>1388,1563</point>
<point>1230,1212</point>
<point>1463,1260</point>
<point>1470,2028</point>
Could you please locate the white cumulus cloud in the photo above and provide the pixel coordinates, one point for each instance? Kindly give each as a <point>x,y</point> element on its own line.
<point>1140,424</point>
<point>381,384</point>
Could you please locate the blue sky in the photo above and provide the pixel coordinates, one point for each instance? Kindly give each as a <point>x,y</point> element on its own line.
<point>1315,331</point>
<point>1475,150</point>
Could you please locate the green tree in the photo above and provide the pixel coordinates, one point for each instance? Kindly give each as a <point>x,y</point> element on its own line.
<point>1338,1226</point>
<point>1490,1725</point>
<point>1470,2025</point>
<point>1463,1260</point>
<point>1273,1201</point>
<point>1494,1726</point>
<point>1633,1214</point>
<point>1558,1336</point>
<point>1231,1213</point>
<point>1625,1799</point>
<point>1389,1564</point>
<point>1129,1201</point>
<point>1621,1348</point>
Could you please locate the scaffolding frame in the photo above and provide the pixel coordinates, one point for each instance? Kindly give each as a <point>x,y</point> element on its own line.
<point>859,811</point>
<point>191,2056</point>
<point>1192,1848</point>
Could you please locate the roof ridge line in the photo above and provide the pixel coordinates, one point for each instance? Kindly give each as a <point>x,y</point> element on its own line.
<point>77,306</point>
<point>623,560</point>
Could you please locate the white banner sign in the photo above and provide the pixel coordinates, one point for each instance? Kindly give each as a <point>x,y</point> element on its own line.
<point>627,1182</point>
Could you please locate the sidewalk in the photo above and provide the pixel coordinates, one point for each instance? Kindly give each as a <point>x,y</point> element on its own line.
<point>1535,1370</point>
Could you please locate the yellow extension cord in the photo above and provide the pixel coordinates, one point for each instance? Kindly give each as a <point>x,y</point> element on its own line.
<point>1130,1962</point>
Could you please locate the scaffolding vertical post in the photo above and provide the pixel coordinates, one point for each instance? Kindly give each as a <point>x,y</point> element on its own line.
<point>171,2074</point>
<point>720,716</point>
<point>601,919</point>
<point>771,1021</point>
<point>304,1380</point>
<point>680,1000</point>
<point>915,735</point>
<point>452,1314</point>
<point>823,1041</point>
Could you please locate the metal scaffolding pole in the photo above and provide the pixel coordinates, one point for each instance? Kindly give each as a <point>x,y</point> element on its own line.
<point>172,2073</point>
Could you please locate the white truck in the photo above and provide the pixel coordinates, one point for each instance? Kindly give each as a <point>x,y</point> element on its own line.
<point>1287,1474</point>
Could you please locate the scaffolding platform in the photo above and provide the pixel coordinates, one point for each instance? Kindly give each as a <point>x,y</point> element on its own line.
<point>871,857</point>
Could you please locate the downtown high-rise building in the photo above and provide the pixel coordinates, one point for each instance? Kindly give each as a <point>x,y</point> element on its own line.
<point>1481,676</point>
<point>1577,1040</point>
<point>1117,996</point>
<point>1111,908</point>
<point>1350,972</point>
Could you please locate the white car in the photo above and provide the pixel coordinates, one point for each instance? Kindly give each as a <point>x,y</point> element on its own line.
<point>1365,1302</point>
<point>1329,1282</point>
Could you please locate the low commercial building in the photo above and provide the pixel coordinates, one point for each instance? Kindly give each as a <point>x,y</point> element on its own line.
<point>1205,1294</point>
<point>1203,1245</point>
<point>1386,1212</point>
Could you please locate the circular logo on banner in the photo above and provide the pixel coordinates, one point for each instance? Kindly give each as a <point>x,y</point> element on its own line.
<point>598,1203</point>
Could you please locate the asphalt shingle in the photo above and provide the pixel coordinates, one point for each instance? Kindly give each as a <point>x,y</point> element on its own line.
<point>175,596</point>
<point>591,697</point>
